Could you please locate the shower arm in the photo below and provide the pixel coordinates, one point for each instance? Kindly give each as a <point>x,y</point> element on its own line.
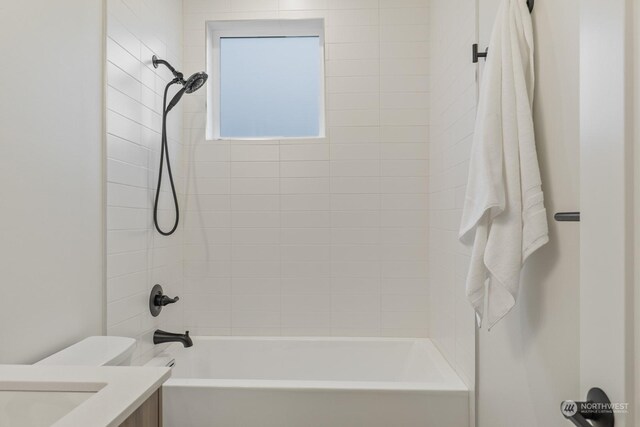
<point>177,74</point>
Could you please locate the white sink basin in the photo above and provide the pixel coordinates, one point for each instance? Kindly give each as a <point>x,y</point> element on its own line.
<point>74,396</point>
<point>38,408</point>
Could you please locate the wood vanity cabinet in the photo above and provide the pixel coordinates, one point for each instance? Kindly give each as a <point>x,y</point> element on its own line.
<point>149,414</point>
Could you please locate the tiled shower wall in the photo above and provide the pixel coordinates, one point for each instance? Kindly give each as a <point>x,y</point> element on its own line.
<point>326,236</point>
<point>138,257</point>
<point>453,110</point>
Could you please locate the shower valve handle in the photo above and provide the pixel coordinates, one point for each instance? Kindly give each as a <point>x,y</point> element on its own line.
<point>163,300</point>
<point>158,299</point>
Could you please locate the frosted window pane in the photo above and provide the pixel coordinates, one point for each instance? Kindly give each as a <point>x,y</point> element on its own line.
<point>269,87</point>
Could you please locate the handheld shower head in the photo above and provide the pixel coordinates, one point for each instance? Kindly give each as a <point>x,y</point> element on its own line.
<point>195,82</point>
<point>192,84</point>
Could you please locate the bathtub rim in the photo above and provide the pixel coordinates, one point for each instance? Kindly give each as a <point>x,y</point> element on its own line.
<point>452,384</point>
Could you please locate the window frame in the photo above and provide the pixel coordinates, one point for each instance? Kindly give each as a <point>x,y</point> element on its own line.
<point>255,29</point>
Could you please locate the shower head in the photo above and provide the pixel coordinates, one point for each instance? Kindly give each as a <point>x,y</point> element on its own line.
<point>192,84</point>
<point>195,82</point>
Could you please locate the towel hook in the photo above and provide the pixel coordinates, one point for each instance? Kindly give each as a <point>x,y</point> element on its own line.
<point>476,52</point>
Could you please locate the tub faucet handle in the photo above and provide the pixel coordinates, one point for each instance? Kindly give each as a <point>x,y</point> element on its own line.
<point>165,300</point>
<point>158,299</point>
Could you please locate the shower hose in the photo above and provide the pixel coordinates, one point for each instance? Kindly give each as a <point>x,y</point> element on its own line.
<point>164,154</point>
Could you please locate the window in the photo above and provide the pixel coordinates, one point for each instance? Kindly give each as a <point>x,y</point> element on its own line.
<point>268,79</point>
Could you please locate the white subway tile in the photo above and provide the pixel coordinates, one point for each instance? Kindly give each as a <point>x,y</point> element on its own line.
<point>354,117</point>
<point>305,219</point>
<point>304,185</point>
<point>125,286</point>
<point>353,51</point>
<point>353,101</point>
<point>304,236</point>
<point>355,168</point>
<point>306,319</point>
<point>351,84</point>
<point>253,5</point>
<point>404,49</point>
<point>304,169</point>
<point>306,152</point>
<point>309,202</point>
<point>255,236</point>
<point>405,83</point>
<point>352,219</point>
<point>306,302</point>
<point>356,185</point>
<point>355,134</point>
<point>255,219</point>
<point>352,4</point>
<point>352,67</point>
<point>255,169</point>
<point>255,186</point>
<point>404,320</point>
<point>303,269</point>
<point>255,269</point>
<point>355,152</point>
<point>405,168</point>
<point>256,302</point>
<point>359,34</point>
<point>255,153</point>
<point>285,237</point>
<point>355,320</point>
<point>303,4</point>
<point>121,58</point>
<point>355,253</point>
<point>352,17</point>
<point>305,253</point>
<point>256,286</point>
<point>348,202</point>
<point>353,303</point>
<point>392,4</point>
<point>255,202</point>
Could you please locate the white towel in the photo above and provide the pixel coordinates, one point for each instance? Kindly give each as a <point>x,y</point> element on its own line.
<point>504,214</point>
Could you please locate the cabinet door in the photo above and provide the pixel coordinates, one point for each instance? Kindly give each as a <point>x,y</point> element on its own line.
<point>149,414</point>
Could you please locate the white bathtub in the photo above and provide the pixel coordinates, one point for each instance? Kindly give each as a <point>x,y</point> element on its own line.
<point>312,382</point>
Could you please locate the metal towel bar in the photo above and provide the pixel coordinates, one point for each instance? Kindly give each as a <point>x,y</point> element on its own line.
<point>567,217</point>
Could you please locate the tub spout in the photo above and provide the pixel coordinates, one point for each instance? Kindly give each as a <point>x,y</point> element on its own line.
<point>160,337</point>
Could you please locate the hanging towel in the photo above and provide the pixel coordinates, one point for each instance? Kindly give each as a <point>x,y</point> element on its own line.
<point>504,216</point>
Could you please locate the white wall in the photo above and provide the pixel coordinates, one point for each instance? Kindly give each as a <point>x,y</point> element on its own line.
<point>606,136</point>
<point>137,256</point>
<point>454,97</point>
<point>530,361</point>
<point>316,237</point>
<point>636,195</point>
<point>51,239</point>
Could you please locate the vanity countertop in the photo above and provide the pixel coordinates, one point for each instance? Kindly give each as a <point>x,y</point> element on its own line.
<point>116,392</point>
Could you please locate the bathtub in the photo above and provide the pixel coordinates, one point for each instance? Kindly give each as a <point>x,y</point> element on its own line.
<point>311,382</point>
